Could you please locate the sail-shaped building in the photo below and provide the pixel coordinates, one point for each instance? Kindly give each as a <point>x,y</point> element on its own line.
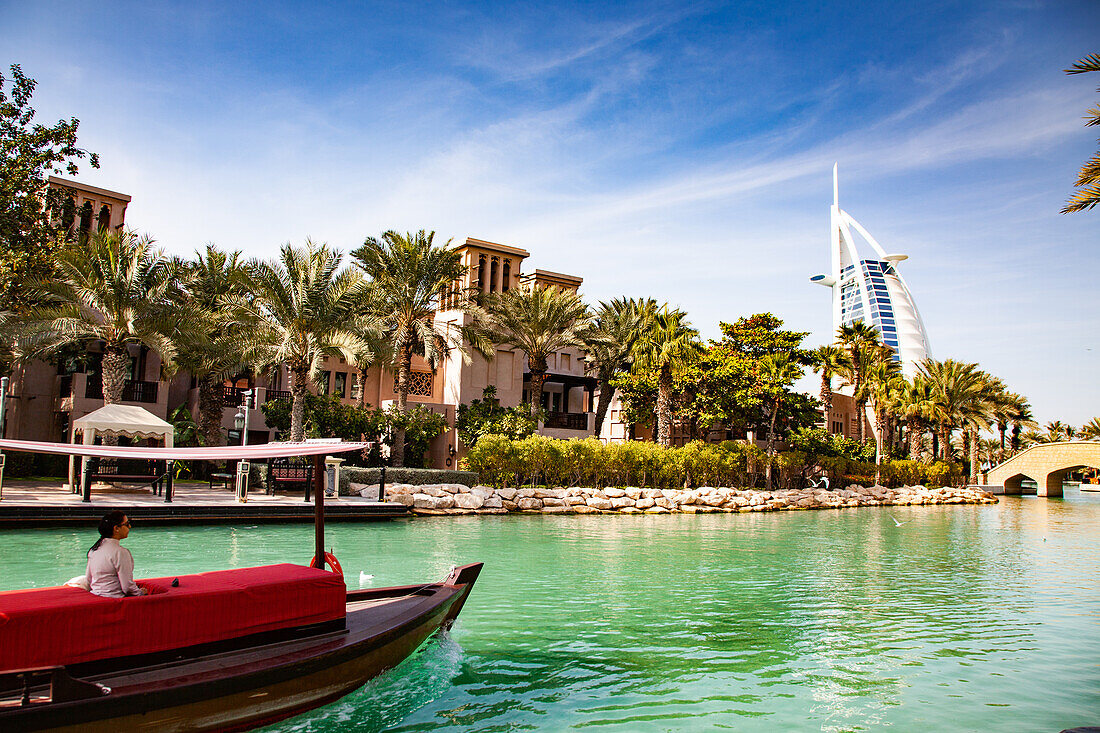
<point>870,289</point>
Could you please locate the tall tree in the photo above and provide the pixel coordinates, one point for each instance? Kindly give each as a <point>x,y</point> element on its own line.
<point>778,371</point>
<point>669,340</point>
<point>539,321</point>
<point>217,284</point>
<point>409,275</point>
<point>1088,180</point>
<point>884,385</point>
<point>919,409</point>
<point>306,308</point>
<point>829,360</point>
<point>1090,430</point>
<point>115,288</point>
<point>29,210</point>
<point>618,324</point>
<point>860,341</point>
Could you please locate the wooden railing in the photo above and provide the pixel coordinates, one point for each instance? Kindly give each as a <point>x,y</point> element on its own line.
<point>567,420</point>
<point>277,394</point>
<point>132,390</point>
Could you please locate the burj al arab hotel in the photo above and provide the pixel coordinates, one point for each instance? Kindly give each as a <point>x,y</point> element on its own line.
<point>872,290</point>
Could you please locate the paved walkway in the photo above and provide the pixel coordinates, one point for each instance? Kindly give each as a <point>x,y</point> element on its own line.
<point>32,503</point>
<point>50,492</point>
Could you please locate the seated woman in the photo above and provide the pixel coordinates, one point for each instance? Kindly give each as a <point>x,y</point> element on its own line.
<point>110,570</point>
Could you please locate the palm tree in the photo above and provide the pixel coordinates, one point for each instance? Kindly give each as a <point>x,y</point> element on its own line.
<point>884,385</point>
<point>1020,420</point>
<point>1090,430</point>
<point>1013,409</point>
<point>777,373</point>
<point>306,308</point>
<point>115,288</point>
<point>216,283</point>
<point>539,321</point>
<point>956,386</point>
<point>859,340</point>
<point>829,360</point>
<point>1058,431</point>
<point>409,275</point>
<point>668,341</point>
<point>1088,180</point>
<point>616,329</point>
<point>918,408</point>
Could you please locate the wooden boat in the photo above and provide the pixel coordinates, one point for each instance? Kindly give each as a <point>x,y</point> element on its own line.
<point>226,651</point>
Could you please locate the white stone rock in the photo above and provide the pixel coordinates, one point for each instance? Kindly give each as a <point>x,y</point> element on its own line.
<point>644,502</point>
<point>423,501</point>
<point>633,492</point>
<point>598,502</point>
<point>529,503</point>
<point>469,501</point>
<point>621,502</point>
<point>552,501</point>
<point>445,502</point>
<point>430,490</point>
<point>612,492</point>
<point>506,494</point>
<point>482,492</point>
<point>550,494</point>
<point>492,502</point>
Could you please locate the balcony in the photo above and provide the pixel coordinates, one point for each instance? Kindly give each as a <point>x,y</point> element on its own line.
<point>567,420</point>
<point>277,394</point>
<point>132,390</point>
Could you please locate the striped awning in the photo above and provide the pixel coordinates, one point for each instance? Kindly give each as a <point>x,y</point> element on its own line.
<point>213,453</point>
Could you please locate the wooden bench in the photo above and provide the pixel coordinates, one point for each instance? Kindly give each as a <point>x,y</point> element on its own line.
<point>289,473</point>
<point>225,479</point>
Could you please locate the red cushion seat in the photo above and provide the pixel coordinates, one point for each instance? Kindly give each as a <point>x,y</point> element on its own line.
<point>47,626</point>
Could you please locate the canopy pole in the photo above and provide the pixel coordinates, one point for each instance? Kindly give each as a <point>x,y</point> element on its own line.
<point>318,480</point>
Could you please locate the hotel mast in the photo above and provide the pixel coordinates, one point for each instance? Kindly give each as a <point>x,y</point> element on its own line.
<point>872,290</point>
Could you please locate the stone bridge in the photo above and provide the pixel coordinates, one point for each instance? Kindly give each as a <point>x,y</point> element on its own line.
<point>1047,464</point>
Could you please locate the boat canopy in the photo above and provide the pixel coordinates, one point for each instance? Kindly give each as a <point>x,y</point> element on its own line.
<point>210,453</point>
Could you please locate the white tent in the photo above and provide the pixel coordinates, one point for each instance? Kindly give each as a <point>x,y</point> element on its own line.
<point>120,420</point>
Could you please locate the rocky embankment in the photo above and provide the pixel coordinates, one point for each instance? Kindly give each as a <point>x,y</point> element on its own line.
<point>439,499</point>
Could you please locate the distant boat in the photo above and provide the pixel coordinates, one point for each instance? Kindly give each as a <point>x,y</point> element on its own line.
<point>221,651</point>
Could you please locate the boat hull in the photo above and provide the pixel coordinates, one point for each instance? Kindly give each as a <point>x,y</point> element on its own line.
<point>235,691</point>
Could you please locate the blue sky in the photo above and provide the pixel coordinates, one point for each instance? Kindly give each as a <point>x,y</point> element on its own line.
<point>675,151</point>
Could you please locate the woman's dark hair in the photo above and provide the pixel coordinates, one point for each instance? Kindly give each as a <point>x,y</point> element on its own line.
<point>107,527</point>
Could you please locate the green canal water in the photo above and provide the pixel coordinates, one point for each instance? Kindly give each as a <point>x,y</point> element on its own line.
<point>964,618</point>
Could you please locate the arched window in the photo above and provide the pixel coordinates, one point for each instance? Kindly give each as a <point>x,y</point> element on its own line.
<point>481,284</point>
<point>507,282</point>
<point>104,217</point>
<point>493,275</point>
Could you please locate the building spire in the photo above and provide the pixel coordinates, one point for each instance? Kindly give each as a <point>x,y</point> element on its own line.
<point>836,188</point>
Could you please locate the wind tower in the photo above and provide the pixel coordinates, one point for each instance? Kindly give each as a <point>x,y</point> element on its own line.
<point>871,289</point>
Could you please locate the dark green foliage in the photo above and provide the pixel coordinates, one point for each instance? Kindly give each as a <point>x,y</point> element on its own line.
<point>486,416</point>
<point>404,475</point>
<point>327,417</point>
<point>591,463</point>
<point>29,153</point>
<point>816,441</point>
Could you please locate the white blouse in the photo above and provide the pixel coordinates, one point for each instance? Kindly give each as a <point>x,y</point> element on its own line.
<point>111,571</point>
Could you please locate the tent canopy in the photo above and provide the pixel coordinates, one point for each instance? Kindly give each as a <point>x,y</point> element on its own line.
<point>126,420</point>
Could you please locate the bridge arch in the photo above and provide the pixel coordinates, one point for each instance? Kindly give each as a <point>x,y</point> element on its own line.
<point>1046,464</point>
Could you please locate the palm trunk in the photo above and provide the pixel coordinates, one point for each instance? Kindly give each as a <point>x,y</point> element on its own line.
<point>880,434</point>
<point>826,398</point>
<point>606,393</point>
<point>211,404</point>
<point>404,365</point>
<point>534,391</point>
<point>115,365</point>
<point>935,443</point>
<point>771,446</point>
<point>664,406</point>
<point>361,382</point>
<point>861,418</point>
<point>972,438</point>
<point>913,434</point>
<point>298,379</point>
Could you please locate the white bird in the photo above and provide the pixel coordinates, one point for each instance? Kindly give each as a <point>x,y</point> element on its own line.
<point>897,523</point>
<point>364,579</point>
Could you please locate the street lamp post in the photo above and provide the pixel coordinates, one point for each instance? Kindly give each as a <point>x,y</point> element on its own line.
<point>240,421</point>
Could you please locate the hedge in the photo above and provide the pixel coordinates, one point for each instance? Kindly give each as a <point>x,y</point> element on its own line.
<point>539,460</point>
<point>414,476</point>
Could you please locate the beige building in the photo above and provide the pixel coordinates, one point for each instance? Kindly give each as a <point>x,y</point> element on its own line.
<point>50,396</point>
